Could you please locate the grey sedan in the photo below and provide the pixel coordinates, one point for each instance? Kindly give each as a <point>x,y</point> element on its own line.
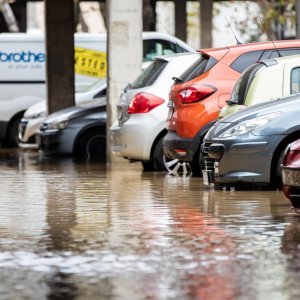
<point>247,147</point>
<point>79,131</point>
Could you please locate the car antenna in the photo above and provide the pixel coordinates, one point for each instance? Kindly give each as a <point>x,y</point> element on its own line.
<point>262,25</point>
<point>237,41</point>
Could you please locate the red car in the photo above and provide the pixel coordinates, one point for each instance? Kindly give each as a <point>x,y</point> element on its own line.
<point>291,174</point>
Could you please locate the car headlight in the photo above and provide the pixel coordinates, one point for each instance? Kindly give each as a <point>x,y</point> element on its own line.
<point>249,125</point>
<point>59,125</point>
<point>35,116</point>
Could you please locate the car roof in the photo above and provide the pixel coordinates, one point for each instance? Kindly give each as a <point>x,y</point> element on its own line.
<point>282,60</point>
<point>165,36</point>
<point>235,50</point>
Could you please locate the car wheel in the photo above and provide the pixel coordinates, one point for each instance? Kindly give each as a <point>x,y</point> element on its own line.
<point>92,144</point>
<point>172,166</point>
<point>12,139</point>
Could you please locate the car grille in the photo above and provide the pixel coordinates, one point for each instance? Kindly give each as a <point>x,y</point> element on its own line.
<point>209,162</point>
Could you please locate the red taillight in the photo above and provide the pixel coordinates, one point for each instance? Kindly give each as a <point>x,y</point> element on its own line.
<point>191,94</point>
<point>143,103</point>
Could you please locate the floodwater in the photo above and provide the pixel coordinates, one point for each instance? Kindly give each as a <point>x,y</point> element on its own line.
<point>84,230</point>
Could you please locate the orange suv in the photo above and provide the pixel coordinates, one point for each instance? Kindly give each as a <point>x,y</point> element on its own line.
<point>198,95</point>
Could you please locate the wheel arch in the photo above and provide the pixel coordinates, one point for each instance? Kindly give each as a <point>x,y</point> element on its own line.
<point>84,130</point>
<point>158,137</point>
<point>281,147</point>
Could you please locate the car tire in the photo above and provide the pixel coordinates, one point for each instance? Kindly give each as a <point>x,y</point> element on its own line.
<point>158,156</point>
<point>148,166</point>
<point>92,144</point>
<point>12,139</point>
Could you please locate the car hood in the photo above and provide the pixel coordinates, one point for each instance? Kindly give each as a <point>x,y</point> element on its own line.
<point>283,104</point>
<point>35,109</point>
<point>76,112</point>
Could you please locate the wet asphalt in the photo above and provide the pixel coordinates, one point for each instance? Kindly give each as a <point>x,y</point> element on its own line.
<point>86,230</point>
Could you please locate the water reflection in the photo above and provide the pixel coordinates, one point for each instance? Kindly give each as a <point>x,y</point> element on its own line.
<point>84,230</point>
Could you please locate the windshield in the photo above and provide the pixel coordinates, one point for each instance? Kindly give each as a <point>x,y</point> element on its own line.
<point>149,75</point>
<point>80,88</point>
<point>240,89</point>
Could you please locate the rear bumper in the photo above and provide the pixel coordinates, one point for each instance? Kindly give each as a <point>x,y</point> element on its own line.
<point>184,149</point>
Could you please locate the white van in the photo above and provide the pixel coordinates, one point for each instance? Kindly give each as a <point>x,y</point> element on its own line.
<point>154,43</point>
<point>23,75</point>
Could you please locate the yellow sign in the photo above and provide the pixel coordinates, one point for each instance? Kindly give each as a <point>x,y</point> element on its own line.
<point>90,62</point>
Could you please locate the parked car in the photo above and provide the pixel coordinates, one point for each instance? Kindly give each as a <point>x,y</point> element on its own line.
<point>142,113</point>
<point>265,80</point>
<point>36,114</point>
<point>247,147</point>
<point>159,43</point>
<point>202,90</point>
<point>291,174</point>
<point>154,43</point>
<point>76,131</point>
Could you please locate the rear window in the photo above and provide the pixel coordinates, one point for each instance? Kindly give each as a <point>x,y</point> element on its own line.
<point>199,67</point>
<point>149,75</point>
<point>240,89</point>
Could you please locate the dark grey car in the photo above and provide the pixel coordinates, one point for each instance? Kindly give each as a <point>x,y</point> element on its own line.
<point>79,131</point>
<point>247,147</point>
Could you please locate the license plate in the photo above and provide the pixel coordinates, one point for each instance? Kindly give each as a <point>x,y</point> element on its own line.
<point>291,177</point>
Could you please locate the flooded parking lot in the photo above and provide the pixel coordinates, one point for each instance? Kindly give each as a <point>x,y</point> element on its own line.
<point>82,230</point>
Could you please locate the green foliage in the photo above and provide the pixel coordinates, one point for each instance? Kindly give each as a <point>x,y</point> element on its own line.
<point>277,18</point>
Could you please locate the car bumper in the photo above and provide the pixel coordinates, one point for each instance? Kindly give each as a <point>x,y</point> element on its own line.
<point>175,147</point>
<point>28,129</point>
<point>135,138</point>
<point>56,142</point>
<point>236,161</point>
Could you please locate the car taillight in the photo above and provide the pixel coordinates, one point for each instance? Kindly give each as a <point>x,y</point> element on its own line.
<point>143,103</point>
<point>191,94</point>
